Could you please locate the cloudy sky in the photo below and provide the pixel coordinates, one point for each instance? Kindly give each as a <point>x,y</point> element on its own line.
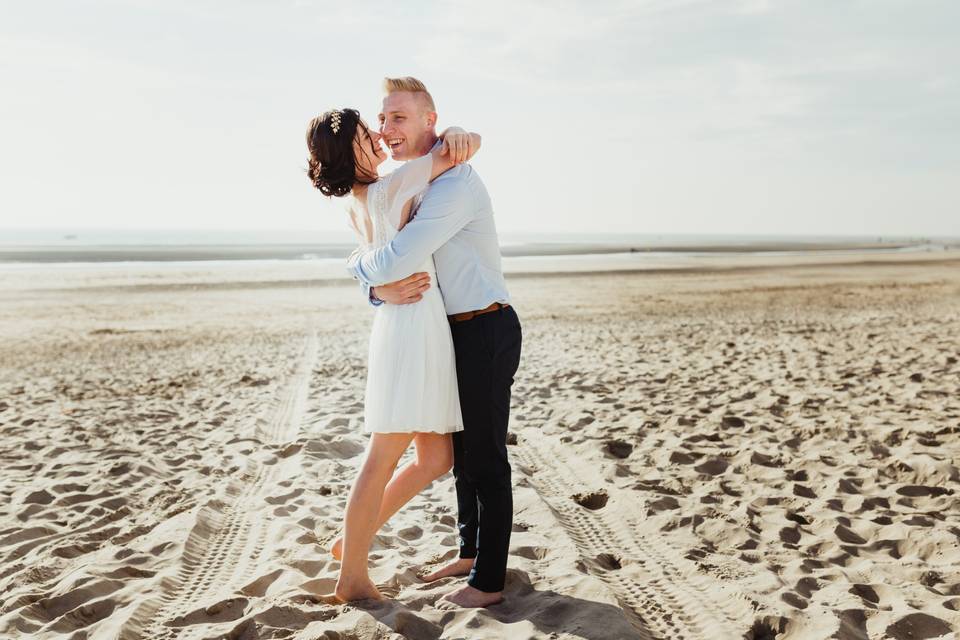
<point>651,116</point>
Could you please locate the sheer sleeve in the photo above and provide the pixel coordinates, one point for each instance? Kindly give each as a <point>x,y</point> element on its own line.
<point>352,215</point>
<point>404,183</point>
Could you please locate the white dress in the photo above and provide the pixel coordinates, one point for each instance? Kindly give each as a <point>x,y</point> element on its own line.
<point>411,368</point>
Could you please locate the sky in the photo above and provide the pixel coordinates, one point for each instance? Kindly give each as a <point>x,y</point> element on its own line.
<point>685,116</point>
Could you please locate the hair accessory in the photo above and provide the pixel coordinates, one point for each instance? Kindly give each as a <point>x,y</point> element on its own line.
<point>335,122</point>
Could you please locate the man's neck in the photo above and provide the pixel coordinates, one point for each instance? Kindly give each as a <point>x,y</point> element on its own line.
<point>428,141</point>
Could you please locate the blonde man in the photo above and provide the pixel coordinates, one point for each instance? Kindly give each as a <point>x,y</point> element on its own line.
<point>454,222</point>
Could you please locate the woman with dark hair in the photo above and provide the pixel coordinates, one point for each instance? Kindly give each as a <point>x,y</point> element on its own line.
<point>411,390</point>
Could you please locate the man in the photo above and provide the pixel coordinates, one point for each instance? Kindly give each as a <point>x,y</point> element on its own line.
<point>454,222</point>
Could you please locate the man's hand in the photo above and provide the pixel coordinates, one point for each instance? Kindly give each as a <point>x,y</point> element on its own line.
<point>406,291</point>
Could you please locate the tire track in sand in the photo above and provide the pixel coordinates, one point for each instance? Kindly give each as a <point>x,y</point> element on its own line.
<point>661,592</point>
<point>229,534</point>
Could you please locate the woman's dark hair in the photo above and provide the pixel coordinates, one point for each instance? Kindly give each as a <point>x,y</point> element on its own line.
<point>332,164</point>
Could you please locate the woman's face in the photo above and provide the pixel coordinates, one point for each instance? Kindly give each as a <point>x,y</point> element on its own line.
<point>368,150</point>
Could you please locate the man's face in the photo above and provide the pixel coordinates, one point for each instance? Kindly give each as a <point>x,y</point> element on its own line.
<point>404,124</point>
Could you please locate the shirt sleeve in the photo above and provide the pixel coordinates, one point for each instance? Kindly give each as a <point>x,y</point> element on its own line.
<point>447,208</point>
<point>366,292</point>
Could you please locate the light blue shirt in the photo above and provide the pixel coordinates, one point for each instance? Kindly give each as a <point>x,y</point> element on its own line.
<point>455,224</point>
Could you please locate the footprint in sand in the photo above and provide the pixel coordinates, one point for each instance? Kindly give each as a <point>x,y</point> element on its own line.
<point>732,422</point>
<point>853,625</point>
<point>807,586</point>
<point>847,535</point>
<point>790,535</point>
<point>803,491</point>
<point>793,600</point>
<point>410,533</point>
<point>39,497</point>
<point>712,467</point>
<point>866,593</point>
<point>918,626</point>
<point>916,490</point>
<point>283,499</point>
<point>223,611</point>
<point>593,500</point>
<point>608,561</point>
<point>531,553</point>
<point>682,457</point>
<point>666,503</point>
<point>337,448</point>
<point>796,517</point>
<point>258,588</point>
<point>74,610</point>
<point>764,460</point>
<point>84,615</point>
<point>618,448</point>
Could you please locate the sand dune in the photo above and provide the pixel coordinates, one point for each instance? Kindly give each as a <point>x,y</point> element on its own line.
<point>762,454</point>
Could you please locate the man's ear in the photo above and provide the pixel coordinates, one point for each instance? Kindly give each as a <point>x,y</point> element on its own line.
<point>431,119</point>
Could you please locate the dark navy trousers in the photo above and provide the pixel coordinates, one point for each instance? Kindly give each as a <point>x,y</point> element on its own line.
<point>488,353</point>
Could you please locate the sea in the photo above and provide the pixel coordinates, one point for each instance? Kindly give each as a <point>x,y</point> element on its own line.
<point>69,259</point>
<point>65,245</point>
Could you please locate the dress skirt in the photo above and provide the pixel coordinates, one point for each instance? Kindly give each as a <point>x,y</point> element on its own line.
<point>411,369</point>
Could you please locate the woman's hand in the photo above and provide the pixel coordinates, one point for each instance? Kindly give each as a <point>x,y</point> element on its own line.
<point>459,144</point>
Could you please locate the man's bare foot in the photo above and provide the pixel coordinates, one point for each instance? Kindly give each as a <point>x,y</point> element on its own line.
<point>467,596</point>
<point>346,592</point>
<point>336,549</point>
<point>459,567</point>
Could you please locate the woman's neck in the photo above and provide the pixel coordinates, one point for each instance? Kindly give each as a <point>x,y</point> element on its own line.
<point>362,181</point>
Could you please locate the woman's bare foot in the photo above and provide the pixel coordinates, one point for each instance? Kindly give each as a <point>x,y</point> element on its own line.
<point>346,592</point>
<point>459,567</point>
<point>336,549</point>
<point>467,596</point>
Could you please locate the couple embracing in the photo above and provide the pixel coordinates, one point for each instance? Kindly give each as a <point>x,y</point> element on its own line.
<point>441,359</point>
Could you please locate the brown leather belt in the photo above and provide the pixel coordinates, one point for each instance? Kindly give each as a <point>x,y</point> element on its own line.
<point>468,315</point>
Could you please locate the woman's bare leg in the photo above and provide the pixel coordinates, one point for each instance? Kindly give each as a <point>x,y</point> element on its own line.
<point>360,523</point>
<point>434,458</point>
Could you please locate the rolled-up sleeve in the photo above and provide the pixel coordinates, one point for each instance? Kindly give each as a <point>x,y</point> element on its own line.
<point>447,207</point>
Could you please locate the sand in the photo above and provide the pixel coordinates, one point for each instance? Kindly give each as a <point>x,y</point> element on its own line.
<point>701,454</point>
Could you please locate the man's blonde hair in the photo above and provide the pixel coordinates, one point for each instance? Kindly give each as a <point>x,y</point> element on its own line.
<point>408,83</point>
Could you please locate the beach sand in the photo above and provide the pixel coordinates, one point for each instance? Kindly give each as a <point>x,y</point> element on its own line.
<point>725,452</point>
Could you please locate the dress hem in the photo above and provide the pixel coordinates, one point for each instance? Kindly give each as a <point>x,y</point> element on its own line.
<point>365,430</point>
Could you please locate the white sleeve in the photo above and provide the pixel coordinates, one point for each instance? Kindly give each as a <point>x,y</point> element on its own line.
<point>360,234</point>
<point>406,182</point>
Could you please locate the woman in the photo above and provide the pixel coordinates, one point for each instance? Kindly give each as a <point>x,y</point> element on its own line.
<point>411,392</point>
